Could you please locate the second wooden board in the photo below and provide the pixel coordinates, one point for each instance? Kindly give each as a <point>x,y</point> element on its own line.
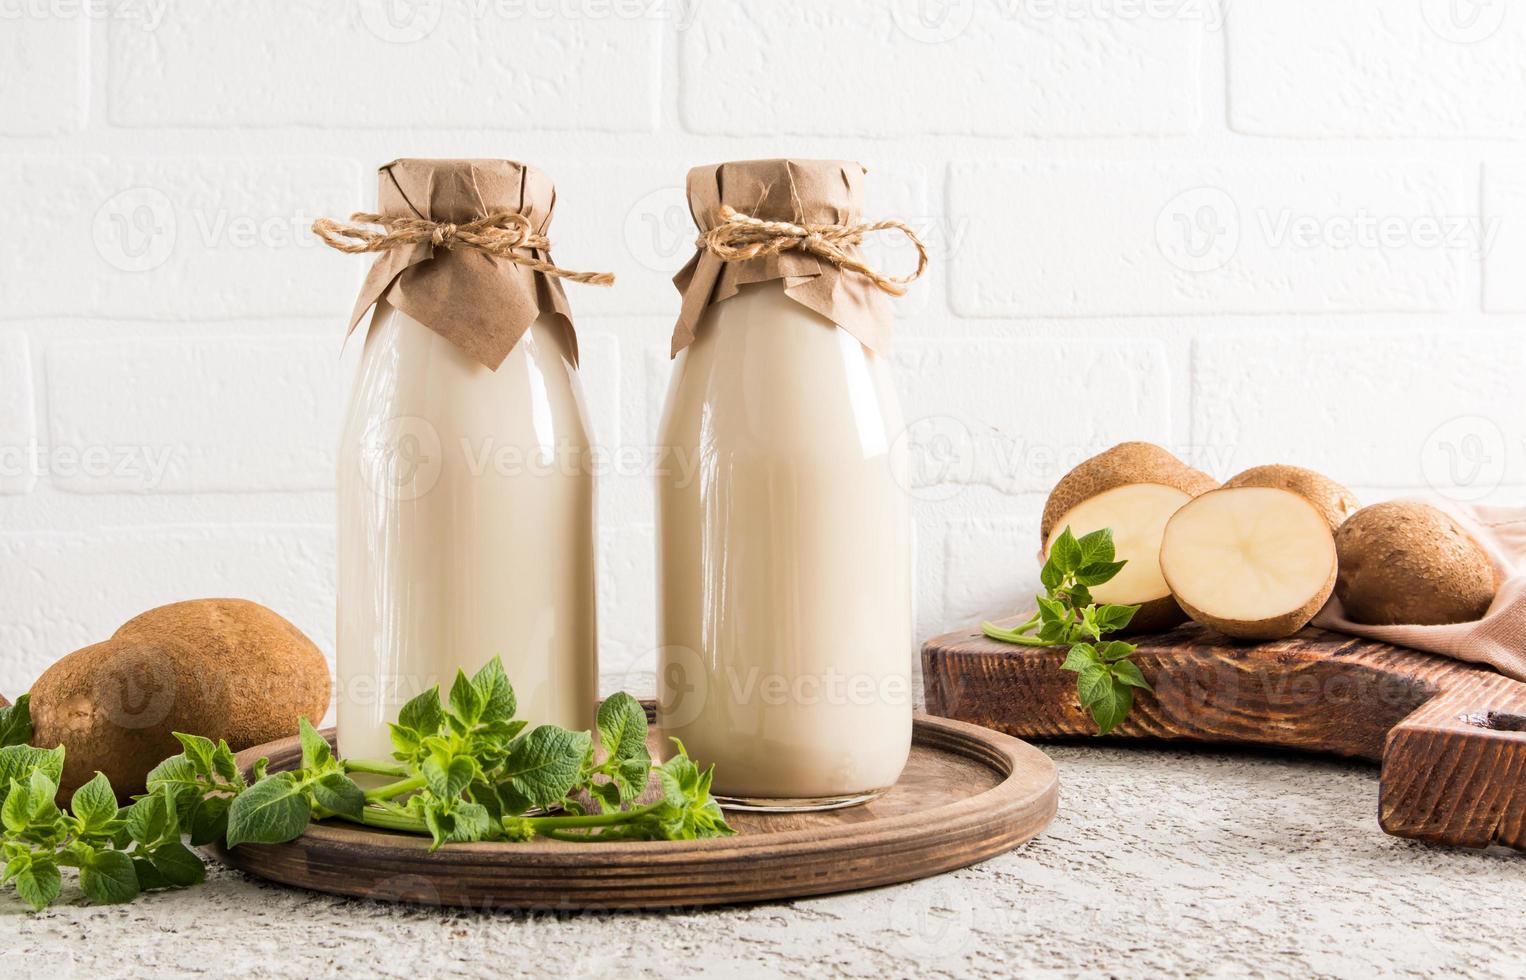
<point>1451,736</point>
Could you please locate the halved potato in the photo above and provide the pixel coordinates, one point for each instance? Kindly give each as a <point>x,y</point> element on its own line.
<point>1253,563</point>
<point>1132,488</point>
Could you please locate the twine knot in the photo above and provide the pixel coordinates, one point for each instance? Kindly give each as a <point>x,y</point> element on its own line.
<point>739,237</point>
<point>505,234</point>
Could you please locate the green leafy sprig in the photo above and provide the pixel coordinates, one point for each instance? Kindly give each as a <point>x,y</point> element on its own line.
<point>1067,616</point>
<point>118,852</point>
<point>463,770</point>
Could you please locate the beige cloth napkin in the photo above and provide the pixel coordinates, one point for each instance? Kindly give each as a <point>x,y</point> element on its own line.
<point>1499,639</point>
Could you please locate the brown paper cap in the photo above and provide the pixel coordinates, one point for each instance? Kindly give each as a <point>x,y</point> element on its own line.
<point>477,301</point>
<point>798,191</point>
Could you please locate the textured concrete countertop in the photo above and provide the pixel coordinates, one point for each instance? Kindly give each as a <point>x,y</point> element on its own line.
<point>1160,863</point>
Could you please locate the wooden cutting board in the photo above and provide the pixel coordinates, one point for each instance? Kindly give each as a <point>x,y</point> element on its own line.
<point>1451,736</point>
<point>967,794</point>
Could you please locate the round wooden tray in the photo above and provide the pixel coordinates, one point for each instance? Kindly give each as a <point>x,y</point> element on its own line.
<point>967,794</point>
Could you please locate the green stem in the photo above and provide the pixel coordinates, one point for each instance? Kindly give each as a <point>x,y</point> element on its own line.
<point>567,835</point>
<point>589,820</point>
<point>398,788</point>
<point>374,768</point>
<point>386,820</point>
<point>1012,636</point>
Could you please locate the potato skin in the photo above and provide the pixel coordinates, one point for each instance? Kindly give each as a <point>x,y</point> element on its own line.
<point>222,668</point>
<point>1332,500</point>
<point>1124,464</point>
<point>1408,562</point>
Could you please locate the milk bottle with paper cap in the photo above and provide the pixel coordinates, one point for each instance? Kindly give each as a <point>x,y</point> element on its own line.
<point>466,498</point>
<point>784,525</point>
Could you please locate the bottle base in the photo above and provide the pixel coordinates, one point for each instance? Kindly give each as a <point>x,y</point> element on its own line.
<point>760,804</point>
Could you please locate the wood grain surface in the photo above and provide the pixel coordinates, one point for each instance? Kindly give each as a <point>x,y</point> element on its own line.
<point>1451,736</point>
<point>967,794</point>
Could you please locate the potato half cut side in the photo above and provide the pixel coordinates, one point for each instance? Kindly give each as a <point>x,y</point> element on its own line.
<point>1137,513</point>
<point>1254,563</point>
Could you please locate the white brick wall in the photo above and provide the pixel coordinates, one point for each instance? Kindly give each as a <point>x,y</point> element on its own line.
<point>1292,232</point>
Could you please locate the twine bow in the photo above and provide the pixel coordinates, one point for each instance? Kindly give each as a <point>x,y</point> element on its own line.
<point>506,234</point>
<point>740,236</point>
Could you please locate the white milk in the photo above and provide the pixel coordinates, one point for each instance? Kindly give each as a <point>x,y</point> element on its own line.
<point>465,528</point>
<point>784,578</point>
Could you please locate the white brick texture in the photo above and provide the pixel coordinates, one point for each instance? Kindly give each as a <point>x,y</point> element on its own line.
<point>1376,67</point>
<point>1505,224</point>
<point>1299,236</point>
<point>980,67</point>
<point>59,592</point>
<point>968,425</point>
<point>18,418</point>
<point>42,70</point>
<point>191,415</point>
<point>467,63</point>
<point>998,572</point>
<point>174,237</point>
<point>1397,409</point>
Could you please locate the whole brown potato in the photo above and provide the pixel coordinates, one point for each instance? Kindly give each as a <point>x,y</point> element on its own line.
<point>222,668</point>
<point>1408,562</point>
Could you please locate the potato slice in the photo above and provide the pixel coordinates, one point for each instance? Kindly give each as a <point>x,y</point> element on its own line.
<point>1253,563</point>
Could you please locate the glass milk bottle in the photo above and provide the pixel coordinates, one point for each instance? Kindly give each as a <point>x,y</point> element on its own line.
<point>784,551</point>
<point>466,505</point>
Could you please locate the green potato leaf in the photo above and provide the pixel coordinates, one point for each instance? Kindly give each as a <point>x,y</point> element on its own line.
<point>1096,547</point>
<point>198,751</point>
<point>622,727</point>
<point>178,864</point>
<point>1112,706</point>
<point>95,804</point>
<point>109,878</point>
<point>466,701</point>
<point>208,819</point>
<point>542,767</point>
<point>1096,573</point>
<point>271,811</point>
<point>1066,552</point>
<point>336,792</point>
<point>497,694</point>
<point>316,753</point>
<point>16,722</point>
<point>1127,672</point>
<point>39,883</point>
